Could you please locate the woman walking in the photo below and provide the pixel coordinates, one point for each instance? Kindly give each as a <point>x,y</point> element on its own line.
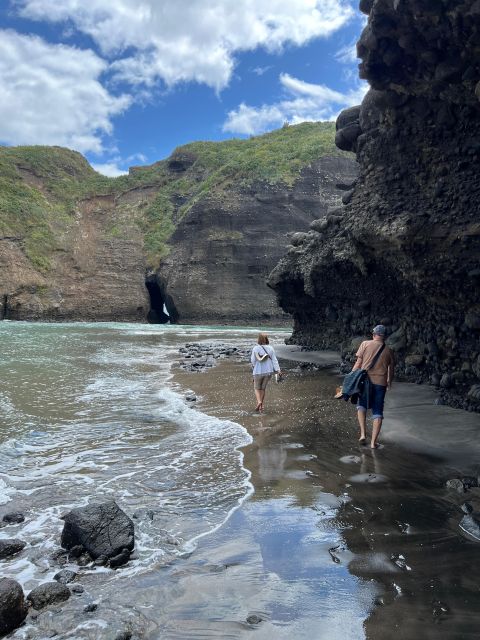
<point>264,363</point>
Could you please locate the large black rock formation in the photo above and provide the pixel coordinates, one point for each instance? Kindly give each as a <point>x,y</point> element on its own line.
<point>404,250</point>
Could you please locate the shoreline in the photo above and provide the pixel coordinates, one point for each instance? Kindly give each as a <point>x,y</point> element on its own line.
<point>305,460</point>
<point>410,413</point>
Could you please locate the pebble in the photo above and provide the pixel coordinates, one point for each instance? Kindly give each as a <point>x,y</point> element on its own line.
<point>77,588</point>
<point>199,357</point>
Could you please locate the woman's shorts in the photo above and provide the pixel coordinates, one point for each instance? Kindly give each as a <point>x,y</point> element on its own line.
<point>260,381</point>
<point>375,400</point>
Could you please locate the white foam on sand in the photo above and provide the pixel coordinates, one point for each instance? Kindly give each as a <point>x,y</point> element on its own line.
<point>6,492</point>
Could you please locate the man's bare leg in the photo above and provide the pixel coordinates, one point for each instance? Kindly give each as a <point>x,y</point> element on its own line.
<point>377,425</point>
<point>362,423</point>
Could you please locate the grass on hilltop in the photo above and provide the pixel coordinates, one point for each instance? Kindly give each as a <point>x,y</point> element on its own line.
<point>39,214</point>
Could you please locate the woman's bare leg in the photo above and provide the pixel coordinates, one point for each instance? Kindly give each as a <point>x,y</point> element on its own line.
<point>262,395</point>
<point>258,396</point>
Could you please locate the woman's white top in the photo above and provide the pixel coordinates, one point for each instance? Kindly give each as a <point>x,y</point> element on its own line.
<point>267,365</point>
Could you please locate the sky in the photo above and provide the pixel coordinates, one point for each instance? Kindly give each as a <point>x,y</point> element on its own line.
<point>126,81</point>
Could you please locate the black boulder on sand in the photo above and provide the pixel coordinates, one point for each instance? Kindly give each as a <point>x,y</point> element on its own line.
<point>14,517</point>
<point>48,593</point>
<point>13,608</point>
<point>10,547</point>
<point>104,530</point>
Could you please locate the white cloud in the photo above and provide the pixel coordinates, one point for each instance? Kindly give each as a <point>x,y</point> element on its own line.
<point>110,169</point>
<point>260,71</point>
<point>190,40</point>
<point>348,54</point>
<point>305,102</point>
<point>137,157</point>
<point>51,94</point>
<point>114,167</point>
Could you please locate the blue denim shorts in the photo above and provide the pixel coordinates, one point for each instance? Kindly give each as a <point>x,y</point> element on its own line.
<point>373,398</point>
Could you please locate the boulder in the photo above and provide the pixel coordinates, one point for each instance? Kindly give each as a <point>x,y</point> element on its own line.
<point>298,238</point>
<point>319,225</point>
<point>470,481</point>
<point>472,319</point>
<point>348,129</point>
<point>120,559</point>
<point>456,485</point>
<point>366,6</point>
<point>65,576</point>
<point>101,529</point>
<point>470,523</point>
<point>48,593</point>
<point>13,608</point>
<point>414,360</point>
<point>77,588</point>
<point>474,393</point>
<point>10,547</point>
<point>355,343</point>
<point>397,340</point>
<point>371,110</point>
<point>348,117</point>
<point>446,381</point>
<point>14,517</point>
<point>346,138</point>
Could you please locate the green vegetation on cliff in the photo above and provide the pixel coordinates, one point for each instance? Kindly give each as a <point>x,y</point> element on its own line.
<point>41,187</point>
<point>274,157</point>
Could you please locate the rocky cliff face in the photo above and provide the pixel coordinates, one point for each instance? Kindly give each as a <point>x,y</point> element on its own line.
<point>197,232</point>
<point>227,244</point>
<point>61,257</point>
<point>404,250</point>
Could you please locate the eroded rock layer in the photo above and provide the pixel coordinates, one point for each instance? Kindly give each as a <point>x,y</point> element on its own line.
<point>404,250</point>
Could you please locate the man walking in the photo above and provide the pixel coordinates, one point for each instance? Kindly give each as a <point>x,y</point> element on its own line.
<point>380,378</point>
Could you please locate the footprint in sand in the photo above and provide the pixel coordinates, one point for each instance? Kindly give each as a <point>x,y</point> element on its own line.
<point>350,459</point>
<point>368,478</point>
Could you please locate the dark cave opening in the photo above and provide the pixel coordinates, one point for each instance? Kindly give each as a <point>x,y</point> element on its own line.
<point>161,310</point>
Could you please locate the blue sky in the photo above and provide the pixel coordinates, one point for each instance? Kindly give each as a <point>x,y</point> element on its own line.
<point>126,81</point>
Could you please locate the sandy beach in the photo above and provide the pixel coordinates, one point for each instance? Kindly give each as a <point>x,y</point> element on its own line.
<point>336,541</point>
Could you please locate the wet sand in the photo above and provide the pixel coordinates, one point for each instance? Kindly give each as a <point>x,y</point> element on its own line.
<point>337,541</point>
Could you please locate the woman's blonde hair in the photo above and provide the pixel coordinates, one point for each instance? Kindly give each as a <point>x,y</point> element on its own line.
<point>263,338</point>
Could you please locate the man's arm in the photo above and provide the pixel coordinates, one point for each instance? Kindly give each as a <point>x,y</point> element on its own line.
<point>358,363</point>
<point>359,360</point>
<point>390,372</point>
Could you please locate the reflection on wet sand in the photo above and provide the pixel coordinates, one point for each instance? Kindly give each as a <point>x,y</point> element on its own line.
<point>347,542</point>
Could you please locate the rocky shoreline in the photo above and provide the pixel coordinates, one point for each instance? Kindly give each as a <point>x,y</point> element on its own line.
<point>93,536</point>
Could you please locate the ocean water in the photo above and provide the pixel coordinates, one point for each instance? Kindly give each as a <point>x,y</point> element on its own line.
<point>332,541</point>
<point>88,412</point>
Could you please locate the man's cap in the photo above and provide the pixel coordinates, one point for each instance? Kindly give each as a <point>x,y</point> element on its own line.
<point>379,330</point>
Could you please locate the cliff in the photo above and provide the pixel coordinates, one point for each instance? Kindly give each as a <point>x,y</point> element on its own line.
<point>197,232</point>
<point>404,248</point>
